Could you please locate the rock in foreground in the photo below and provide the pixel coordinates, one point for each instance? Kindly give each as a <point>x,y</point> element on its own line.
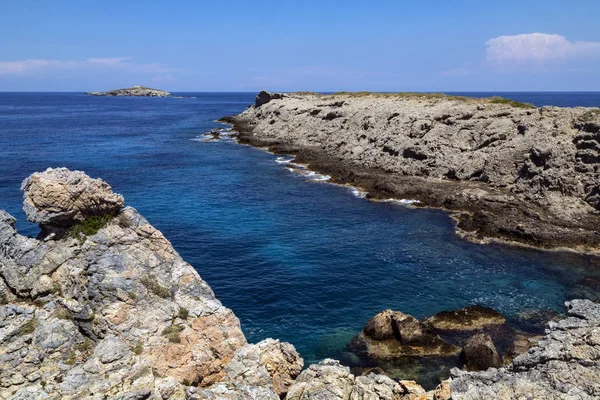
<point>116,313</point>
<point>563,365</point>
<point>134,91</point>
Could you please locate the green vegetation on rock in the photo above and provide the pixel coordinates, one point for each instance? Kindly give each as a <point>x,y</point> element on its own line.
<point>28,327</point>
<point>151,283</point>
<point>512,103</point>
<point>171,332</point>
<point>90,226</point>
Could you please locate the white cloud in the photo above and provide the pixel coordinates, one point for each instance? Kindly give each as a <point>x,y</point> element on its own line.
<point>125,64</point>
<point>538,47</point>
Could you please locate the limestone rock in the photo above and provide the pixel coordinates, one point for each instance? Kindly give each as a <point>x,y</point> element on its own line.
<point>269,363</point>
<point>514,173</point>
<point>63,198</point>
<point>480,353</point>
<point>330,380</point>
<point>116,313</point>
<point>443,392</point>
<point>565,364</point>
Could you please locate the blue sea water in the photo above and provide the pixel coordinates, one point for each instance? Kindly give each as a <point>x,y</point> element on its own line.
<point>299,260</point>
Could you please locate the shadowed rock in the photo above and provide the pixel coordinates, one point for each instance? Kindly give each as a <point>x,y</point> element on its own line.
<point>480,353</point>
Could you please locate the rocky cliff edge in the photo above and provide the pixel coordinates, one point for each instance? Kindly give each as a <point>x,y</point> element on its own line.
<point>100,306</point>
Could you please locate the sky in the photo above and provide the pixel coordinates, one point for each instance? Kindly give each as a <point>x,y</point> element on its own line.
<point>245,46</point>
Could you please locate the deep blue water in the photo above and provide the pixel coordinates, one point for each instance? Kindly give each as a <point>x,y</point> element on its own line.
<point>298,260</point>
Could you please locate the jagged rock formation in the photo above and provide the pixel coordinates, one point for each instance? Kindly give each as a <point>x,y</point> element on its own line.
<point>515,173</point>
<point>107,309</point>
<point>136,91</point>
<point>565,364</point>
<point>114,313</point>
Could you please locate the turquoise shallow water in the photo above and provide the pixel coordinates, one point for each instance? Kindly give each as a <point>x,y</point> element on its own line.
<point>295,259</point>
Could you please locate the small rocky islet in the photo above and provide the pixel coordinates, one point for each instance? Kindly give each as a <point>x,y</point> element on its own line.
<point>100,306</point>
<point>134,91</point>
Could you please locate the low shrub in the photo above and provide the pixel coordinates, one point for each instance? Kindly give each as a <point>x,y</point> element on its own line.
<point>171,332</point>
<point>151,283</point>
<point>512,103</point>
<point>28,327</point>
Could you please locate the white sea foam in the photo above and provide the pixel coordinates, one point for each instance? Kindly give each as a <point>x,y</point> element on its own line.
<point>358,193</point>
<point>284,160</point>
<point>404,202</point>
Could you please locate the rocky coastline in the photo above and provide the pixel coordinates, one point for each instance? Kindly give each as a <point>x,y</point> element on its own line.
<point>100,306</point>
<point>507,172</point>
<point>134,91</point>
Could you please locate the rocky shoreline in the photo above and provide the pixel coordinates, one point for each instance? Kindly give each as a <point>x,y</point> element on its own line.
<point>134,91</point>
<point>507,172</point>
<point>101,306</point>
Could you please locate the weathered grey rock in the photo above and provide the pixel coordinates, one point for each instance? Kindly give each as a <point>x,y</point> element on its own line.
<point>270,364</point>
<point>63,198</point>
<point>565,364</point>
<point>116,313</point>
<point>328,380</point>
<point>136,91</point>
<point>480,353</point>
<point>522,175</point>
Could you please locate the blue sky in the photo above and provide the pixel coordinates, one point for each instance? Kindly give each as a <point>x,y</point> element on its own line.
<point>300,45</point>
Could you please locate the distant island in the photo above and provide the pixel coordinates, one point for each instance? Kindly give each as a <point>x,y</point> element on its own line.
<point>137,91</point>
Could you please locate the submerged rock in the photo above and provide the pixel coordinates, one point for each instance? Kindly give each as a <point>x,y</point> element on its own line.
<point>468,318</point>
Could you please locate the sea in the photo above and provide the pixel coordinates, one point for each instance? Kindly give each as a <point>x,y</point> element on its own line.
<point>294,257</point>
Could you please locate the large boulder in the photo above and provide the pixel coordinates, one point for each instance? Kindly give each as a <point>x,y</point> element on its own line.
<point>264,97</point>
<point>61,197</point>
<point>393,334</point>
<point>480,353</point>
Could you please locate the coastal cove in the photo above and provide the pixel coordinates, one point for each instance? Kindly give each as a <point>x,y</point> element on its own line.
<point>295,259</point>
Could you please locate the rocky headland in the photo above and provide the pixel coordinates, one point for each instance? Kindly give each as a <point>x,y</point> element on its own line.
<point>100,306</point>
<point>134,91</point>
<point>507,171</point>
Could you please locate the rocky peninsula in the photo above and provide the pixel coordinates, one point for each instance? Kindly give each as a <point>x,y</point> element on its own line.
<point>134,91</point>
<point>507,171</point>
<point>100,306</point>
